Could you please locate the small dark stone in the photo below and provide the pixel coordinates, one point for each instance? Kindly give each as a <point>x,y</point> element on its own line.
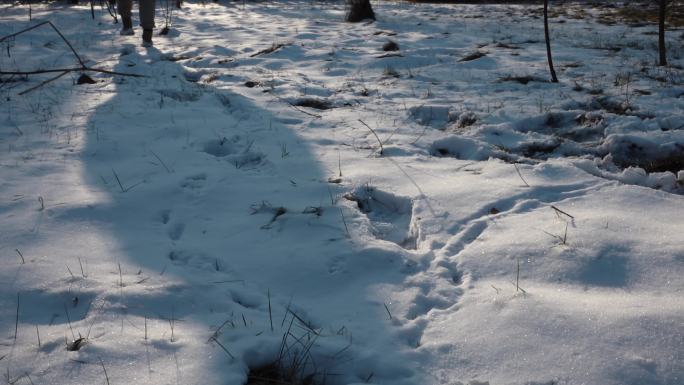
<point>85,79</point>
<point>390,46</point>
<point>473,56</point>
<point>76,344</point>
<point>319,104</point>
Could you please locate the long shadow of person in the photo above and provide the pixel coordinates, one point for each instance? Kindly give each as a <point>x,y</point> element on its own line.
<point>221,240</point>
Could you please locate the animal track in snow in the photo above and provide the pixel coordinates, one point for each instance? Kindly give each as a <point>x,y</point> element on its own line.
<point>195,259</point>
<point>165,216</point>
<point>390,215</point>
<point>181,95</point>
<point>194,182</point>
<point>235,150</point>
<point>176,230</point>
<point>50,308</point>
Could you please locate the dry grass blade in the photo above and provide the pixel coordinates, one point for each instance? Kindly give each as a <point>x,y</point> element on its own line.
<point>274,47</point>
<point>559,211</point>
<point>16,321</point>
<point>104,369</point>
<point>223,347</point>
<point>20,256</point>
<point>376,136</point>
<point>388,311</point>
<point>270,313</point>
<point>520,175</point>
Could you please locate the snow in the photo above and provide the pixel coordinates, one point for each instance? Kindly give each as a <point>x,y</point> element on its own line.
<point>432,221</point>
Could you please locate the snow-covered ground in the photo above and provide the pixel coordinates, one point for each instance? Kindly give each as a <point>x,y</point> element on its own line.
<point>187,226</point>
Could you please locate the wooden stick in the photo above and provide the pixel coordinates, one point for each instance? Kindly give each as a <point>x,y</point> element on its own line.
<point>100,70</point>
<point>44,82</point>
<point>22,31</point>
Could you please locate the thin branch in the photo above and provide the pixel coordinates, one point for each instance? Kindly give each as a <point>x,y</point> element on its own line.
<point>44,82</point>
<point>100,70</point>
<point>22,31</point>
<point>68,44</point>
<point>56,30</point>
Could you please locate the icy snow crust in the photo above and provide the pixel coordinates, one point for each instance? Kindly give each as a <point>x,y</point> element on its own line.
<point>513,231</point>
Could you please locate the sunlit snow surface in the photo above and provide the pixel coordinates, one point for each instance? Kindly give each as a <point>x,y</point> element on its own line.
<point>511,231</point>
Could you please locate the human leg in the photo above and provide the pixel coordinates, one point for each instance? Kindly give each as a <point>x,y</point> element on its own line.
<point>125,7</point>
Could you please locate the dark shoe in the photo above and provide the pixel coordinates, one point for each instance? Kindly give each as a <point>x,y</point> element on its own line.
<point>147,38</point>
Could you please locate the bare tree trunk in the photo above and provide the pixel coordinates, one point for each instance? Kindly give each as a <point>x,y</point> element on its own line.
<point>554,79</point>
<point>661,33</point>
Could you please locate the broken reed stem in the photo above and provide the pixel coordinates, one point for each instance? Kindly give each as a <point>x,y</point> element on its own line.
<point>172,324</point>
<point>69,321</point>
<point>376,136</point>
<point>69,270</point>
<point>20,256</point>
<point>270,314</point>
<point>517,277</point>
<point>559,211</point>
<point>81,265</point>
<point>145,328</point>
<point>332,200</point>
<point>16,321</point>
<point>287,311</point>
<point>120,275</point>
<point>38,336</point>
<point>388,311</point>
<point>520,175</point>
<point>94,319</point>
<point>118,181</point>
<point>161,161</point>
<point>223,347</point>
<point>345,223</point>
<point>104,369</point>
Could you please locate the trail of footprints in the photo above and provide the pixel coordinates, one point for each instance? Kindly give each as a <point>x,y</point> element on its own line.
<point>440,285</point>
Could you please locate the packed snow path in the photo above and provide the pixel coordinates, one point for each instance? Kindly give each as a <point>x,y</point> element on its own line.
<point>437,214</point>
